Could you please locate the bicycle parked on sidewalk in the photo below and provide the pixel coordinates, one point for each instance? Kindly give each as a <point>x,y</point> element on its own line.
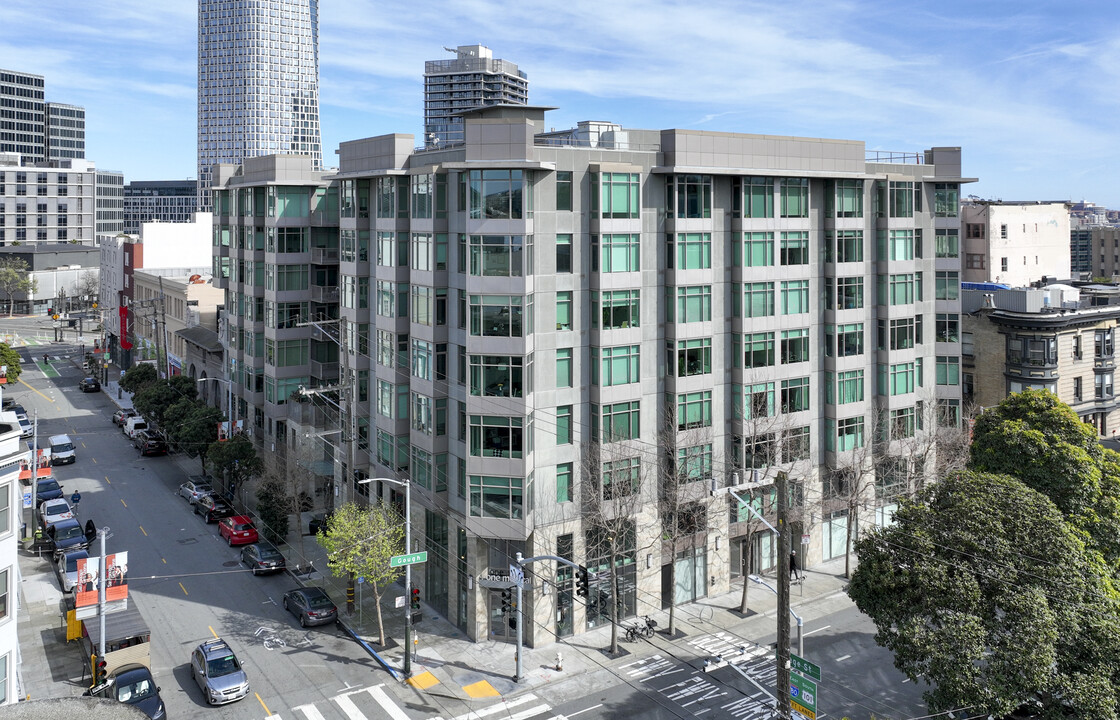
<point>643,630</point>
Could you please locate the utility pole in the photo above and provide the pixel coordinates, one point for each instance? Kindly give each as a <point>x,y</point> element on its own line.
<point>163,332</point>
<point>781,485</point>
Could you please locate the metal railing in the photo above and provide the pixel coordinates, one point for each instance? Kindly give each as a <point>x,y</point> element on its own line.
<point>887,156</point>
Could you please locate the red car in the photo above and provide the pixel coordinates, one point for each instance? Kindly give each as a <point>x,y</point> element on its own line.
<point>237,530</point>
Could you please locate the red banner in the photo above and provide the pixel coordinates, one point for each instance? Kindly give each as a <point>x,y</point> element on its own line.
<point>125,344</point>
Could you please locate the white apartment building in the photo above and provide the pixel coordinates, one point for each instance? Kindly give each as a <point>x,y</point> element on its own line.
<point>531,318</point>
<point>47,204</point>
<point>12,452</point>
<point>272,50</point>
<point>166,301</point>
<point>473,79</point>
<point>1015,243</point>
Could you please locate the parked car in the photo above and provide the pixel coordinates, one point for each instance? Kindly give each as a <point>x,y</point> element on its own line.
<point>68,569</point>
<point>62,450</point>
<point>194,488</point>
<point>237,530</point>
<point>148,443</point>
<point>262,558</point>
<point>211,507</point>
<point>134,425</point>
<point>89,384</point>
<point>218,672</point>
<point>67,535</point>
<point>48,489</point>
<point>53,511</point>
<point>121,415</point>
<point>311,605</point>
<point>26,429</point>
<point>132,684</point>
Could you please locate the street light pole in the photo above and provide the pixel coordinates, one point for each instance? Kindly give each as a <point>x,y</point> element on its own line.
<point>407,568</point>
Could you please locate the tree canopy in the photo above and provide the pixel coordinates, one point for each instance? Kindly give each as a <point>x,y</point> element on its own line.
<point>981,588</point>
<point>154,399</point>
<point>138,377</point>
<point>11,358</point>
<point>234,460</point>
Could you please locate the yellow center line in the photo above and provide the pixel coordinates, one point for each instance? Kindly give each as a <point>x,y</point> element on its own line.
<point>123,502</point>
<point>266,710</point>
<point>143,531</point>
<point>94,460</point>
<point>212,632</point>
<point>186,593</point>
<point>164,560</point>
<point>83,445</point>
<point>23,382</point>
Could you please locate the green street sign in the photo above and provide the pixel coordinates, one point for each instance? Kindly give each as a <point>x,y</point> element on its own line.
<point>804,667</point>
<point>803,692</point>
<point>410,559</point>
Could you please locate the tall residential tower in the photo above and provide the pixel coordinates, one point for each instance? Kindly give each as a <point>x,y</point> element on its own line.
<point>473,79</point>
<point>258,82</point>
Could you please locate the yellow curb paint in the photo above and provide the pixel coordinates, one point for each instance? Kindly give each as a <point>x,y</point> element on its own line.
<point>423,681</point>
<point>187,593</point>
<point>480,689</point>
<point>266,710</point>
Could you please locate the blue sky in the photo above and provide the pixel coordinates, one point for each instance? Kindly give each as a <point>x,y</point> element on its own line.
<point>1028,89</point>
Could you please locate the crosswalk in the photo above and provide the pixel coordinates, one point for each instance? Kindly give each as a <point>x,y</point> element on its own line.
<point>374,703</point>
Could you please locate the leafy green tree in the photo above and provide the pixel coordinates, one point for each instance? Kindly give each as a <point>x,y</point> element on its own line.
<point>15,279</point>
<point>235,461</point>
<point>197,430</point>
<point>154,400</point>
<point>982,589</point>
<point>359,541</point>
<point>10,357</point>
<point>274,503</point>
<point>1035,437</point>
<point>138,377</point>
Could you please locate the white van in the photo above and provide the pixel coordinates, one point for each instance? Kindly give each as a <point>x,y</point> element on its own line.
<point>134,425</point>
<point>62,450</point>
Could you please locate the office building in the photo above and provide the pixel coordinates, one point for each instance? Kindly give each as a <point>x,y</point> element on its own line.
<point>258,83</point>
<point>109,191</point>
<point>1081,251</point>
<point>46,204</point>
<point>473,79</point>
<point>1015,243</point>
<point>36,129</point>
<point>171,201</point>
<point>531,322</point>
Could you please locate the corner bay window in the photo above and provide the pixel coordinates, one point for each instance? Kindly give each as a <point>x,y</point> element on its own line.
<point>496,194</point>
<point>496,255</point>
<point>493,436</point>
<point>615,195</point>
<point>496,497</point>
<point>616,309</point>
<point>495,315</point>
<point>693,195</point>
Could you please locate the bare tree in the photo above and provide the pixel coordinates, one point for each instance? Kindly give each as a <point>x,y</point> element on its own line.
<point>850,482</point>
<point>87,287</point>
<point>612,495</point>
<point>15,278</point>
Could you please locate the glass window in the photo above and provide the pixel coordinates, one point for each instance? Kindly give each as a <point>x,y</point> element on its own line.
<point>948,327</point>
<point>621,478</point>
<point>564,253</point>
<point>758,197</point>
<point>902,378</point>
<point>948,285</point>
<point>795,346</point>
<point>617,253</point>
<point>760,401</point>
<point>758,350</point>
<point>496,375</point>
<point>849,433</point>
<point>564,367</point>
<point>496,194</point>
<point>421,251</point>
<point>693,251</point>
<point>849,293</point>
<point>901,289</point>
<point>946,199</point>
<point>758,299</point>
<point>616,195</point>
<point>948,370</point>
<point>496,255</point>
<point>5,508</point>
<point>564,310</point>
<point>758,249</point>
<point>849,387</point>
<point>5,591</point>
<point>496,497</point>
<point>422,195</point>
<point>902,245</point>
<point>947,243</point>
<point>563,189</point>
<point>620,309</point>
<point>619,365</point>
<point>902,199</point>
<point>694,304</point>
<point>847,202</point>
<point>795,395</point>
<point>902,423</point>
<point>495,436</point>
<point>848,340</point>
<point>495,315</point>
<point>693,195</point>
<point>422,359</point>
<point>694,463</point>
<point>694,357</point>
<point>848,245</point>
<point>795,297</point>
<point>621,421</point>
<point>694,410</point>
<point>795,248</point>
<point>564,489</point>
<point>564,425</point>
<point>795,197</point>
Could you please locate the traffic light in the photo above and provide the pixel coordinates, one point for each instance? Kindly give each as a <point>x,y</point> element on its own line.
<point>581,581</point>
<point>100,670</point>
<point>414,601</point>
<point>50,311</point>
<point>507,600</point>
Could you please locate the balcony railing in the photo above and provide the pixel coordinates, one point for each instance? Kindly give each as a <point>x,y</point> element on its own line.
<point>324,370</point>
<point>324,256</point>
<point>324,294</point>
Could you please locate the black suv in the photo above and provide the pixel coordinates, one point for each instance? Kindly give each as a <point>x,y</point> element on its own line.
<point>89,384</point>
<point>212,508</point>
<point>148,443</point>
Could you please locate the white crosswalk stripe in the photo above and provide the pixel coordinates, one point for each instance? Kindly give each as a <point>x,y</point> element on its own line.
<point>504,707</point>
<point>346,703</point>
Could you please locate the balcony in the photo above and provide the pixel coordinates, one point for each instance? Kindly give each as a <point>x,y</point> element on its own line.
<point>324,293</point>
<point>324,370</point>
<point>324,256</point>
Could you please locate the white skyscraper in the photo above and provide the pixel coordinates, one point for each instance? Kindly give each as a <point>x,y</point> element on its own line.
<point>258,82</point>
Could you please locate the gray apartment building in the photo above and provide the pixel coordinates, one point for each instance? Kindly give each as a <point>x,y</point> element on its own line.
<point>530,326</point>
<point>158,201</point>
<point>47,204</point>
<point>36,129</point>
<point>473,79</point>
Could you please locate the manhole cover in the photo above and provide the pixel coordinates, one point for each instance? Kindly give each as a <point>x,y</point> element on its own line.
<point>231,563</point>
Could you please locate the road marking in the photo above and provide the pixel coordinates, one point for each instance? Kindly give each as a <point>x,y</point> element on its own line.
<point>164,560</point>
<point>309,711</point>
<point>24,382</point>
<point>262,703</point>
<point>386,702</point>
<point>187,593</point>
<point>817,630</point>
<point>94,460</point>
<point>123,502</point>
<point>526,714</point>
<point>577,712</point>
<point>108,480</point>
<point>83,444</point>
<point>208,626</point>
<point>347,705</point>
<point>842,658</point>
<point>497,707</point>
<point>143,531</point>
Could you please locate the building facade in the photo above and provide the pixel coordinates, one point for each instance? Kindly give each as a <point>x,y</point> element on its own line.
<point>66,277</point>
<point>1081,252</point>
<point>272,49</point>
<point>171,201</point>
<point>13,452</point>
<point>109,191</point>
<point>473,79</point>
<point>1052,338</point>
<point>46,204</point>
<point>166,301</point>
<point>38,130</point>
<point>1016,243</point>
<point>533,326</point>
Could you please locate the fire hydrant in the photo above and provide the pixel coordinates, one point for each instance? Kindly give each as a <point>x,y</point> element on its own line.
<point>559,661</point>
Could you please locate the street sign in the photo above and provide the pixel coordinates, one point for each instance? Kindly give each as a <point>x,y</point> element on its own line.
<point>409,559</point>
<point>804,668</point>
<point>803,695</point>
<point>804,539</point>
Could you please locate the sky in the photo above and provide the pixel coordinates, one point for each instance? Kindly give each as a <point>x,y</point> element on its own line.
<point>1028,89</point>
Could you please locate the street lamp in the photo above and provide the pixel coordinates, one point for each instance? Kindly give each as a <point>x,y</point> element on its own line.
<point>229,401</point>
<point>407,568</point>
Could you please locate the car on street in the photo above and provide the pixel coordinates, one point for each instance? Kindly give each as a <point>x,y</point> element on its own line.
<point>262,558</point>
<point>218,672</point>
<point>211,508</point>
<point>67,567</point>
<point>237,530</point>
<point>311,605</point>
<point>148,443</point>
<point>121,415</point>
<point>67,535</point>
<point>134,685</point>
<point>26,429</point>
<point>47,489</point>
<point>52,511</point>
<point>195,488</point>
<point>133,426</point>
<point>89,384</point>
